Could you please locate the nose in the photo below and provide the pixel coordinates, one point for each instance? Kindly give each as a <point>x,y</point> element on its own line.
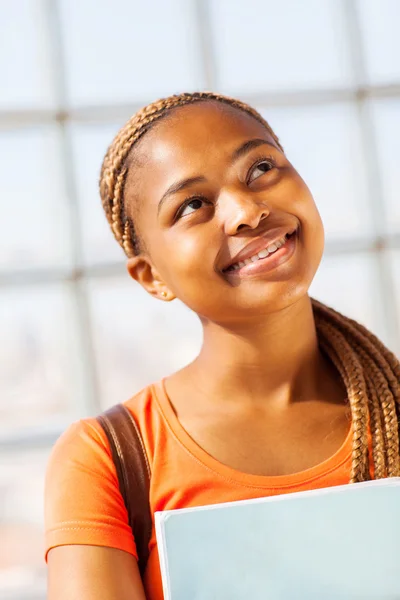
<point>241,211</point>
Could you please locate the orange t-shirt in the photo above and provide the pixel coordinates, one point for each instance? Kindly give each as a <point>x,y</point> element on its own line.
<point>83,504</point>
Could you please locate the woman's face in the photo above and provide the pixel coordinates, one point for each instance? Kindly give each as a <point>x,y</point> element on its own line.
<point>228,225</point>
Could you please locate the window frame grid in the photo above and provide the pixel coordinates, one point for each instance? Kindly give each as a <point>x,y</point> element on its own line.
<point>360,94</point>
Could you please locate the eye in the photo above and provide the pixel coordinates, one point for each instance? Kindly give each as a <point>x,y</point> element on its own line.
<point>260,168</point>
<point>189,206</point>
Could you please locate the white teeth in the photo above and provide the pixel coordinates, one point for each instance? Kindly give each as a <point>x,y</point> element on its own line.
<point>263,253</point>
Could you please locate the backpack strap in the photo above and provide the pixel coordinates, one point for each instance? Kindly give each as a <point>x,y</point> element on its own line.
<point>133,470</point>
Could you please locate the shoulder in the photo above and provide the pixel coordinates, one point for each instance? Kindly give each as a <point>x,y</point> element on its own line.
<point>86,442</point>
<point>145,409</point>
<point>83,443</point>
<point>79,472</point>
<point>83,503</point>
<point>143,404</point>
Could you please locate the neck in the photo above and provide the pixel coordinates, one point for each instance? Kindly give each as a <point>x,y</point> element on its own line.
<point>277,358</point>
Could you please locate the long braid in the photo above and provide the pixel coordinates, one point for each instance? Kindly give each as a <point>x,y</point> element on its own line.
<point>378,439</point>
<point>351,370</point>
<point>389,414</point>
<point>383,357</point>
<point>379,391</point>
<point>370,372</point>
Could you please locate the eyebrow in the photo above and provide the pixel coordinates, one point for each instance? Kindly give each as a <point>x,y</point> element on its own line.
<point>178,186</point>
<point>249,145</point>
<point>238,153</point>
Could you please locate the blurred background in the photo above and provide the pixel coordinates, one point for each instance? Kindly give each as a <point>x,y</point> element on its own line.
<point>77,335</point>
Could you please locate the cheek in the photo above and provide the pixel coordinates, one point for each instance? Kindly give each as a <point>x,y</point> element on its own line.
<point>305,209</point>
<point>302,205</point>
<point>314,229</point>
<point>313,238</point>
<point>184,261</point>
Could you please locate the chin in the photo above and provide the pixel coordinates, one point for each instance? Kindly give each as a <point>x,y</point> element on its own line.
<point>254,298</point>
<point>283,296</point>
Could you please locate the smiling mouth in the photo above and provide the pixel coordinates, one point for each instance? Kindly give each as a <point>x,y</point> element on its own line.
<point>263,254</point>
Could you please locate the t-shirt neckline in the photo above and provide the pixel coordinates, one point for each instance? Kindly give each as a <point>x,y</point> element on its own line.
<point>297,479</point>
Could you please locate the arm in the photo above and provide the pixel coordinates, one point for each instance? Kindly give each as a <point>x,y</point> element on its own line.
<point>93,573</point>
<point>91,550</point>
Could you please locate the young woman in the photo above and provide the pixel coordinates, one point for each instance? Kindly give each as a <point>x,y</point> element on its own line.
<point>285,395</point>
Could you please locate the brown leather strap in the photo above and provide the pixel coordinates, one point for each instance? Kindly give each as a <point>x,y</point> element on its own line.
<point>133,472</point>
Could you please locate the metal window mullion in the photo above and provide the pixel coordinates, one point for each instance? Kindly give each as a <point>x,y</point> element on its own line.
<point>206,43</point>
<point>12,119</point>
<point>376,200</point>
<point>84,338</point>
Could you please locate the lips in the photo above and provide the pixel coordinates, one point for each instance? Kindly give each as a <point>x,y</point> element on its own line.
<point>268,243</point>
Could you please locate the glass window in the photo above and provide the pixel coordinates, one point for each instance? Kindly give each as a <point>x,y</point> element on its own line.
<point>386,115</point>
<point>89,144</point>
<point>264,45</point>
<point>35,222</point>
<point>25,56</point>
<point>324,144</point>
<point>22,566</point>
<point>137,339</point>
<point>122,51</point>
<point>40,377</point>
<point>381,42</point>
<point>343,280</point>
<point>55,366</point>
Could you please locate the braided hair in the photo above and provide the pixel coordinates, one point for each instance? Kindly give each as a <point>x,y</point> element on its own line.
<point>370,372</point>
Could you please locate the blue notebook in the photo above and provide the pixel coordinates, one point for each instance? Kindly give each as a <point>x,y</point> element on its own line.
<point>331,544</point>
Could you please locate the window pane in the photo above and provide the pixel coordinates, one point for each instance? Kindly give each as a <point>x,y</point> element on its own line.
<point>386,114</point>
<point>381,42</point>
<point>285,45</point>
<point>137,339</point>
<point>137,51</point>
<point>35,227</point>
<point>343,280</point>
<point>89,143</point>
<point>324,145</point>
<point>22,566</point>
<point>39,358</point>
<point>25,56</point>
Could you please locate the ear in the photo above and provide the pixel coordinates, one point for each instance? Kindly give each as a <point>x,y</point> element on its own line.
<point>142,270</point>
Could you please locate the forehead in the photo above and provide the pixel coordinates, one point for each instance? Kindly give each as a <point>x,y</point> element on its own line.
<point>196,129</point>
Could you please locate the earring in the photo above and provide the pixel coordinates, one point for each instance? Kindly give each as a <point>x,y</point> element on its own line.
<point>164,294</point>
